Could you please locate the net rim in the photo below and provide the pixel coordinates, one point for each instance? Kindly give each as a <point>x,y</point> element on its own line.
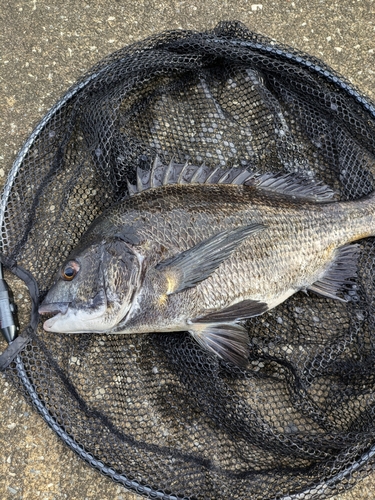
<point>298,58</point>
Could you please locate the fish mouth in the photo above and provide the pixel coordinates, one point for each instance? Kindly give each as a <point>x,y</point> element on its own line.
<point>54,308</point>
<point>64,317</point>
<point>51,311</point>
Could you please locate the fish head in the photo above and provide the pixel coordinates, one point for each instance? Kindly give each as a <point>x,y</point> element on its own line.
<point>94,289</point>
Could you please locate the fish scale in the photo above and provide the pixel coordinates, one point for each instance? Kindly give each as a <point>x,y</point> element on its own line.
<point>201,249</point>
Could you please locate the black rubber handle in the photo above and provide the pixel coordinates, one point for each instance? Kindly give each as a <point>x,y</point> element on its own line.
<point>7,324</point>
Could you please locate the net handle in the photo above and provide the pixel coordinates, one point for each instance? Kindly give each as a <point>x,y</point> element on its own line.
<point>9,325</point>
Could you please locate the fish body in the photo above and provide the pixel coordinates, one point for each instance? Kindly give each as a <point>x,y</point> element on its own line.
<point>200,251</point>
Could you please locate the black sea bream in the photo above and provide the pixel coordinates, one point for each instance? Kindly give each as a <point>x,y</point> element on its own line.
<point>195,249</point>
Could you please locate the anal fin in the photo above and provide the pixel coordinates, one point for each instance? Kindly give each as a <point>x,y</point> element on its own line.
<point>229,341</point>
<point>338,273</point>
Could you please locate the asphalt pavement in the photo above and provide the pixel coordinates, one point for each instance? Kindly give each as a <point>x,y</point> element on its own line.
<point>45,46</point>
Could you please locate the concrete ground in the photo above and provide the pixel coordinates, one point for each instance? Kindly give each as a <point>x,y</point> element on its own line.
<point>45,46</point>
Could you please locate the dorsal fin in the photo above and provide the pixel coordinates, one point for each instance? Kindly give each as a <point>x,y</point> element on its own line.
<point>294,185</point>
<point>178,173</point>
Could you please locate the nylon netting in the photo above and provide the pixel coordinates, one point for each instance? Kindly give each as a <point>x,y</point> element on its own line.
<point>154,411</point>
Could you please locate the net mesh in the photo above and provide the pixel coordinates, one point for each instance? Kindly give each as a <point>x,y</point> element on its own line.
<point>156,412</point>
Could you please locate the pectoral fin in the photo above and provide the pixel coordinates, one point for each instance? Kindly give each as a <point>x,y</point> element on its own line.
<point>337,274</point>
<point>188,268</point>
<point>241,310</point>
<point>228,341</point>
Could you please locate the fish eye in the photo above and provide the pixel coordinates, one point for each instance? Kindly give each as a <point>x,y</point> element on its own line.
<point>70,270</point>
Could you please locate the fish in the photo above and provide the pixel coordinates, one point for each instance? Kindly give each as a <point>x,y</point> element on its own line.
<point>200,249</point>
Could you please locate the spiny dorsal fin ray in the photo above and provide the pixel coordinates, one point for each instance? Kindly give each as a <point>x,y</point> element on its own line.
<point>178,173</point>
<point>131,188</point>
<point>140,185</point>
<point>241,177</point>
<point>338,273</point>
<point>213,175</point>
<point>152,175</point>
<point>197,174</point>
<point>182,173</point>
<point>168,172</point>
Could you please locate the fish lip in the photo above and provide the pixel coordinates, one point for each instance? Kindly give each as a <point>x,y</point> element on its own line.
<point>64,311</point>
<point>50,324</point>
<point>54,308</point>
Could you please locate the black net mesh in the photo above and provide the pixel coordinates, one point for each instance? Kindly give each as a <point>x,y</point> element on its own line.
<point>153,411</point>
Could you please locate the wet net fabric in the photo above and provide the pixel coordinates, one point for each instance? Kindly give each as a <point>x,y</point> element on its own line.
<point>154,411</point>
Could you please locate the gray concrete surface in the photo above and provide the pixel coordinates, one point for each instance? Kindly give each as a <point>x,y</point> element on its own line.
<point>45,46</point>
